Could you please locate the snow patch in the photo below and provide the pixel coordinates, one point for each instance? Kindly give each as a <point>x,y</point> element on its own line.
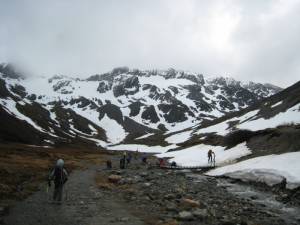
<point>269,169</point>
<point>114,131</point>
<point>179,138</point>
<point>142,148</point>
<point>197,155</point>
<point>144,136</point>
<point>277,104</point>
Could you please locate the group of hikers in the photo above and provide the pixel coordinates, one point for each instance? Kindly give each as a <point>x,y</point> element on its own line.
<point>126,159</point>
<point>59,174</point>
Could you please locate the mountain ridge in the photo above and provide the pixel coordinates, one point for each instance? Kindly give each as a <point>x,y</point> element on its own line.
<point>136,102</point>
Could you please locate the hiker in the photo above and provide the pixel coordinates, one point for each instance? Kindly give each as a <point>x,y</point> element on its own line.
<point>125,155</point>
<point>173,164</point>
<point>136,154</point>
<point>122,163</point>
<point>211,156</point>
<point>129,157</point>
<point>60,176</point>
<point>108,164</point>
<point>161,162</point>
<point>144,159</point>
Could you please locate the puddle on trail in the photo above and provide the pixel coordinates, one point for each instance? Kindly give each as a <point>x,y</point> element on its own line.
<point>290,214</point>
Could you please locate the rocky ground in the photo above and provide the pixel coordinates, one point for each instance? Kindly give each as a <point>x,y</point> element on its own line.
<point>142,194</point>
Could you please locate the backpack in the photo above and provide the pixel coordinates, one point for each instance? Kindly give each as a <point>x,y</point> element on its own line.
<point>59,176</point>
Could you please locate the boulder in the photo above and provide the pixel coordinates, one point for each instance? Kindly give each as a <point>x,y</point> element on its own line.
<point>114,178</point>
<point>185,215</point>
<point>200,213</point>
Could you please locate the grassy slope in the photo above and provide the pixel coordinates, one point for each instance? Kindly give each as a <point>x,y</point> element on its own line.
<point>23,167</point>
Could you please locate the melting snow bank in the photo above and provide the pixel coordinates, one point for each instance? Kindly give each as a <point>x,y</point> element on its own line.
<point>271,169</point>
<point>197,155</point>
<point>142,148</point>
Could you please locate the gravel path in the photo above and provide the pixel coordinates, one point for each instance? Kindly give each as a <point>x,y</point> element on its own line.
<point>85,205</point>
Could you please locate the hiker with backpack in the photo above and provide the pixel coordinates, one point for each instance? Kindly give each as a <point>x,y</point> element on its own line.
<point>108,165</point>
<point>122,163</point>
<point>59,176</point>
<point>144,159</point>
<point>211,157</point>
<point>129,157</point>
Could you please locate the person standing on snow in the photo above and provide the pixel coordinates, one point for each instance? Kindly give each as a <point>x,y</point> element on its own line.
<point>59,176</point>
<point>211,156</point>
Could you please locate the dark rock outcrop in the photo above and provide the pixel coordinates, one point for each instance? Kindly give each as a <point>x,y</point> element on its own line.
<point>150,114</point>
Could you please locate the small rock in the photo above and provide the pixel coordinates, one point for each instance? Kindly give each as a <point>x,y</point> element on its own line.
<point>114,178</point>
<point>169,196</point>
<point>117,172</point>
<point>254,197</point>
<point>144,174</point>
<point>200,213</point>
<point>185,215</point>
<point>171,207</point>
<point>190,202</point>
<point>124,219</point>
<point>3,210</point>
<point>147,184</point>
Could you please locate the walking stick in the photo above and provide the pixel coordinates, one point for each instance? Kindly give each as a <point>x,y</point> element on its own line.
<point>66,193</point>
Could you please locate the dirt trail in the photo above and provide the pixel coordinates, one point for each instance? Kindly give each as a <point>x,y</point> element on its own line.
<point>85,204</point>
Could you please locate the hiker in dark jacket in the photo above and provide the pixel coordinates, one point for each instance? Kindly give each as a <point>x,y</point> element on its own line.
<point>122,163</point>
<point>211,156</point>
<point>144,159</point>
<point>108,164</point>
<point>59,176</point>
<point>129,157</point>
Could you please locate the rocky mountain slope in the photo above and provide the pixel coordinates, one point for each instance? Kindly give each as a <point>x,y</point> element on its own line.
<point>260,143</point>
<point>117,106</point>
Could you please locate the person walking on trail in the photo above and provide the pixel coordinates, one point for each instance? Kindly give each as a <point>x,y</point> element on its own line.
<point>211,156</point>
<point>144,159</point>
<point>136,154</point>
<point>129,157</point>
<point>59,176</point>
<point>108,164</point>
<point>122,163</point>
<point>123,160</point>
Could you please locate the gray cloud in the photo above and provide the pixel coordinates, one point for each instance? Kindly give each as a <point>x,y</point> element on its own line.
<point>249,40</point>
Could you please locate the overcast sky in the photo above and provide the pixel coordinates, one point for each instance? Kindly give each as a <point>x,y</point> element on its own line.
<point>256,40</point>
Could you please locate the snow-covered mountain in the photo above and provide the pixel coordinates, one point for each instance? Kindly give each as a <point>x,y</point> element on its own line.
<point>120,105</point>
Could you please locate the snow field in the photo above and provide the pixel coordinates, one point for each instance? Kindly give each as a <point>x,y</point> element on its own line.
<point>141,148</point>
<point>269,169</point>
<point>197,155</point>
<point>179,138</point>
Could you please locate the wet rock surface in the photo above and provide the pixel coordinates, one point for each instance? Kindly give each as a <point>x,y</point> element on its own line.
<point>175,197</point>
